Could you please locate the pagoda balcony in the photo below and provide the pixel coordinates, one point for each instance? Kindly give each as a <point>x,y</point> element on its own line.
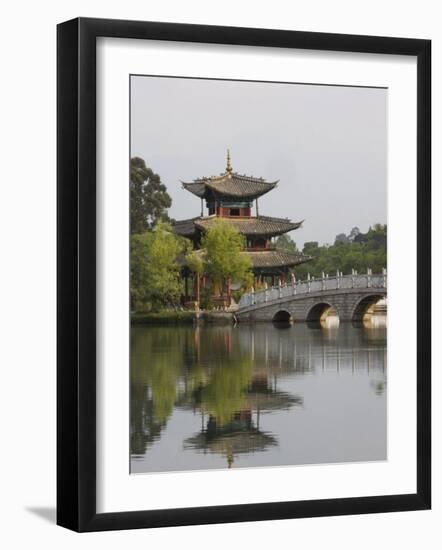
<point>234,216</point>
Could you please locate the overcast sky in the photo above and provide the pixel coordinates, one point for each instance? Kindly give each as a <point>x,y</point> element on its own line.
<point>327,146</point>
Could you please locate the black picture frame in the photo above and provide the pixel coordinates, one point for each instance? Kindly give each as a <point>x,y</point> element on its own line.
<point>77,287</point>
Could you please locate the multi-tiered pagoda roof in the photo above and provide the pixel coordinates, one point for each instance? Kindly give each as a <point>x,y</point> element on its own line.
<point>231,196</point>
<point>229,185</point>
<point>264,226</point>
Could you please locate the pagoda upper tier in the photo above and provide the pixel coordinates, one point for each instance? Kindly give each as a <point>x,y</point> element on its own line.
<point>229,190</point>
<point>230,196</point>
<point>234,185</point>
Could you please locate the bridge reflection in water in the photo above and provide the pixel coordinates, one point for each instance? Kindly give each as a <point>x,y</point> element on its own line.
<point>256,395</point>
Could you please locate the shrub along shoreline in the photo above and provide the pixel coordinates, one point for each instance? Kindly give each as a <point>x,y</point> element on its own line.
<point>163,318</point>
<point>171,317</point>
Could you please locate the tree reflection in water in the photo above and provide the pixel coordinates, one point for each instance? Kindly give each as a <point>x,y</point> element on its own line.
<point>234,397</point>
<point>229,377</point>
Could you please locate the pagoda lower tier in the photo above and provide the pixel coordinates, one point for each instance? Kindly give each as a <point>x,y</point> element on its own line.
<point>274,262</point>
<point>250,226</point>
<point>258,231</point>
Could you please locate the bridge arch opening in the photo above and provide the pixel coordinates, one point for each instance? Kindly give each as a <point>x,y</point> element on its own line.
<point>282,317</point>
<point>323,315</point>
<point>371,311</point>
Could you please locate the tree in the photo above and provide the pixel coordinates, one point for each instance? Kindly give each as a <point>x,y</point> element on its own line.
<point>378,236</point>
<point>195,261</point>
<point>366,250</point>
<point>153,383</point>
<point>311,248</point>
<point>342,239</point>
<point>362,238</point>
<point>354,233</point>
<point>286,243</point>
<point>225,391</point>
<point>155,280</point>
<point>149,199</point>
<point>223,246</point>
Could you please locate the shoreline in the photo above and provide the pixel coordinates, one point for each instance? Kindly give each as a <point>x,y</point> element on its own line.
<point>168,318</point>
<point>182,318</point>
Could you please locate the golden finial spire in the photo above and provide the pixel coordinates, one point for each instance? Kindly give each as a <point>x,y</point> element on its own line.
<point>229,164</point>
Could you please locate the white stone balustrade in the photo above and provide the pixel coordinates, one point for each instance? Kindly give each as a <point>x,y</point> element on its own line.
<point>324,284</point>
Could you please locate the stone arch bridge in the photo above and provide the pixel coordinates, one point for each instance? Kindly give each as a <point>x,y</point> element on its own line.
<point>350,296</point>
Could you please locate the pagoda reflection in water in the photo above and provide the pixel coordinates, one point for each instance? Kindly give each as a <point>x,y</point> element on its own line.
<point>231,378</point>
<point>240,433</point>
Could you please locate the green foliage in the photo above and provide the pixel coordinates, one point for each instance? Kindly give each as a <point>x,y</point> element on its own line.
<point>155,274</point>
<point>224,393</point>
<point>342,239</point>
<point>162,378</point>
<point>357,251</point>
<point>195,261</point>
<point>156,363</point>
<point>167,317</point>
<point>311,248</point>
<point>222,245</point>
<point>149,199</point>
<point>286,243</point>
<point>355,231</point>
<point>206,299</point>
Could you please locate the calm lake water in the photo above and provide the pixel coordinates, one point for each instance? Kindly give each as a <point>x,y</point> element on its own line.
<point>256,395</point>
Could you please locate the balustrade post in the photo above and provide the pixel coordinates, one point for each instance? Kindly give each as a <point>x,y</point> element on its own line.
<point>368,277</point>
<point>352,278</point>
<point>308,283</point>
<point>384,277</point>
<point>323,281</point>
<point>338,286</point>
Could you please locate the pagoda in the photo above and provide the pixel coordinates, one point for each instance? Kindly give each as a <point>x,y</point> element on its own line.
<point>231,196</point>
